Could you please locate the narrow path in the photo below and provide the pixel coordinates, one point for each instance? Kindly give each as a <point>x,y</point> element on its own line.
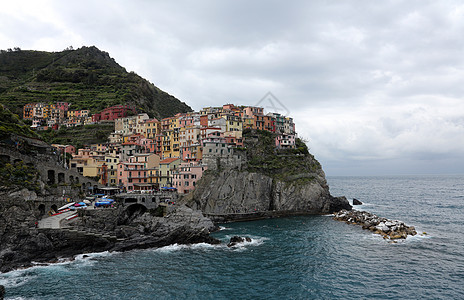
<point>54,221</point>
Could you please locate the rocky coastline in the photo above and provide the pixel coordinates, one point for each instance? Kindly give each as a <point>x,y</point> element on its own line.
<point>389,229</point>
<point>262,183</point>
<point>23,245</point>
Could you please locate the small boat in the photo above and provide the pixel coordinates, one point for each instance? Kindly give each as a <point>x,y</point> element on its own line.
<point>66,206</point>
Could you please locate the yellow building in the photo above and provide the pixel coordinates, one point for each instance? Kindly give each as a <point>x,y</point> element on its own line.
<point>175,144</point>
<point>151,128</point>
<point>166,168</point>
<point>167,144</point>
<point>112,161</point>
<point>233,123</point>
<point>248,122</point>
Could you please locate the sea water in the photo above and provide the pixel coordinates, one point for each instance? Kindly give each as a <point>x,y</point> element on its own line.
<point>311,257</point>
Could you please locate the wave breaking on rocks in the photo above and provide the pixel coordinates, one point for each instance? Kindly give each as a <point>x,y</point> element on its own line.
<point>389,229</point>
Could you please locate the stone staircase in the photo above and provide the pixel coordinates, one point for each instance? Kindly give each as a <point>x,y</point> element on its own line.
<point>54,222</point>
<point>92,233</point>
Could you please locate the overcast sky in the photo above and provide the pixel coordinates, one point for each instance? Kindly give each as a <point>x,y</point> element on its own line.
<point>375,87</point>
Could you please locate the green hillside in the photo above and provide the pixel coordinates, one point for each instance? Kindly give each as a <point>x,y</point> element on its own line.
<point>87,77</point>
<point>12,124</point>
<point>80,135</point>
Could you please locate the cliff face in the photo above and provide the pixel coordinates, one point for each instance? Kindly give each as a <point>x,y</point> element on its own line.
<point>267,183</point>
<point>233,195</point>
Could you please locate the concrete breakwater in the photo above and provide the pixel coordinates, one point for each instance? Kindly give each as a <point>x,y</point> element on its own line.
<point>389,229</point>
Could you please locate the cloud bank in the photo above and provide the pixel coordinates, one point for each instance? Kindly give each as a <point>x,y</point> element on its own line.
<point>375,87</point>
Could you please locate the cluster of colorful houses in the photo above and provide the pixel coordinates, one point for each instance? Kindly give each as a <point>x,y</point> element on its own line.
<point>54,115</point>
<point>145,154</point>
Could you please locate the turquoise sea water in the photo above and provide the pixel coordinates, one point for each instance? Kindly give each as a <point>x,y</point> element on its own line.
<point>311,257</point>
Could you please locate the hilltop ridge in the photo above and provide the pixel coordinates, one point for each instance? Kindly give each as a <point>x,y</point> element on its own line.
<point>87,77</point>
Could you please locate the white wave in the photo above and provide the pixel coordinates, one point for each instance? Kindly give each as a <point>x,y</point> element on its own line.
<point>255,241</point>
<point>179,247</point>
<point>221,228</point>
<point>16,278</point>
<point>87,256</point>
<point>418,237</point>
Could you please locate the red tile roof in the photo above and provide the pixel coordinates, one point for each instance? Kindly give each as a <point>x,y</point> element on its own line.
<point>168,160</point>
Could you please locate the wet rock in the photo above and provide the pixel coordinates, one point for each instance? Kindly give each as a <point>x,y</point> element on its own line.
<point>2,292</point>
<point>234,241</point>
<point>238,239</point>
<point>356,202</point>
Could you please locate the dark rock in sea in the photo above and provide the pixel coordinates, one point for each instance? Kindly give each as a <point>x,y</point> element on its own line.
<point>389,229</point>
<point>238,239</point>
<point>234,240</point>
<point>356,202</point>
<point>2,292</point>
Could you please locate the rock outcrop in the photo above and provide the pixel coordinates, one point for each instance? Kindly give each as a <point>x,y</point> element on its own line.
<point>389,229</point>
<point>268,182</point>
<point>232,194</point>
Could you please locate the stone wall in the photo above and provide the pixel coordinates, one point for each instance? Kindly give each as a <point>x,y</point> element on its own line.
<point>51,170</point>
<point>215,162</point>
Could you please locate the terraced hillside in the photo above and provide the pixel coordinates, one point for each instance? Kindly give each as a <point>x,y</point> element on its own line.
<point>87,77</point>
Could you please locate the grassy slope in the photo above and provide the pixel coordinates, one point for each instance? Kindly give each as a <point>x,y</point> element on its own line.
<point>87,77</point>
<point>11,123</point>
<point>262,157</point>
<point>80,135</point>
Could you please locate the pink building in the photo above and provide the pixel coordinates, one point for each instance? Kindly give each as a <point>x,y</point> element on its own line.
<point>113,113</point>
<point>64,106</point>
<point>130,173</point>
<point>285,141</point>
<point>187,175</point>
<point>65,148</point>
<point>148,144</point>
<point>253,111</point>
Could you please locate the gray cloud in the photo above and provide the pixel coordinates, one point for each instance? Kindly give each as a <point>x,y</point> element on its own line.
<point>375,87</point>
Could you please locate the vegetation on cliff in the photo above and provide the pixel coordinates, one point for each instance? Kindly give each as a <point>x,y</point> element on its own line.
<point>19,174</point>
<point>12,124</point>
<point>80,135</point>
<point>285,164</point>
<point>87,77</point>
